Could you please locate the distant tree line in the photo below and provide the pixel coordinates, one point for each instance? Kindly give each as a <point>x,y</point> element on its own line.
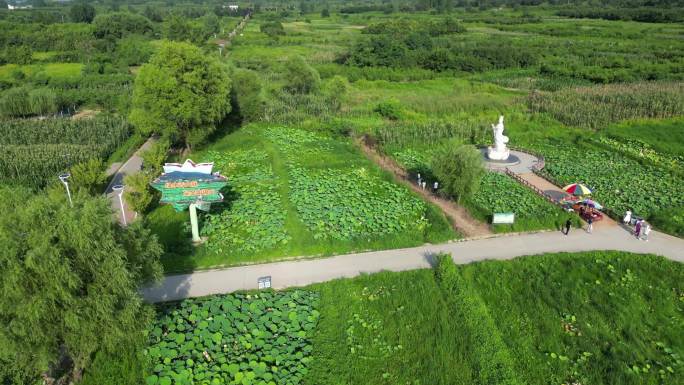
<point>642,14</point>
<point>407,43</point>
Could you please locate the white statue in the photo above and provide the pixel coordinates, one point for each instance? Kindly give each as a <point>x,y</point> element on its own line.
<point>499,151</point>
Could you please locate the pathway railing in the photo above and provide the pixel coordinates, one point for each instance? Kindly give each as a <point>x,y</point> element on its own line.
<point>534,188</point>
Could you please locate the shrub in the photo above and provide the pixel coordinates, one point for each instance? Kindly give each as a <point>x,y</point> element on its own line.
<point>300,77</point>
<point>138,194</point>
<point>82,13</point>
<point>247,96</point>
<point>88,176</point>
<point>459,170</point>
<point>391,109</point>
<point>272,29</point>
<point>119,24</point>
<point>335,91</point>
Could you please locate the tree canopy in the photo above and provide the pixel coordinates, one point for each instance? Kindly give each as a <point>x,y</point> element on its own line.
<point>181,93</point>
<point>69,282</point>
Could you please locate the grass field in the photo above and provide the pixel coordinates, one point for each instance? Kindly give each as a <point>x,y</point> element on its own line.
<point>294,193</point>
<point>591,318</point>
<point>58,71</point>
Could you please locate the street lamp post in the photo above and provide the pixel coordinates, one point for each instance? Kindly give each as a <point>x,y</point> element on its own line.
<point>119,188</point>
<point>63,178</point>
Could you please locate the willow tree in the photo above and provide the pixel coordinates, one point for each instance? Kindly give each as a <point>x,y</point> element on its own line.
<point>69,283</point>
<point>181,93</point>
<point>460,170</point>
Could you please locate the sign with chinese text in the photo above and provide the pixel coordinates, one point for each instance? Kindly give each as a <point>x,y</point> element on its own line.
<point>189,183</point>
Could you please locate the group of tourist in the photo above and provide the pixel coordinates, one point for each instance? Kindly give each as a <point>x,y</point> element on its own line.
<point>423,184</point>
<point>641,227</point>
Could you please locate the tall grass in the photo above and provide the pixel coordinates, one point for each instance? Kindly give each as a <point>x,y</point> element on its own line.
<point>18,102</point>
<point>597,107</point>
<point>402,134</point>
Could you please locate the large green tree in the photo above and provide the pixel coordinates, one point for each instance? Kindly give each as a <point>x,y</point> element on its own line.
<point>459,169</point>
<point>69,283</point>
<point>181,93</point>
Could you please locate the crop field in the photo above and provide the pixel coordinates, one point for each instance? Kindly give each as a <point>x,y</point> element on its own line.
<point>262,338</point>
<point>602,317</point>
<point>34,152</point>
<point>297,193</point>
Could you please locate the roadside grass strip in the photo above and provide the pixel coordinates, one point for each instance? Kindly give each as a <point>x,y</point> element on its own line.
<point>492,360</point>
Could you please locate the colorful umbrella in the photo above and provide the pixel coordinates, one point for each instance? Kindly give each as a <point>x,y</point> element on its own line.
<point>592,203</point>
<point>577,189</point>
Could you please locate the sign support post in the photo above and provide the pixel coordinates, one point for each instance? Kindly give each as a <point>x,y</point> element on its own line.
<point>193,223</point>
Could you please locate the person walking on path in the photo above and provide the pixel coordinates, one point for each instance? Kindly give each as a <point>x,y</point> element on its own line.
<point>637,229</point>
<point>435,186</point>
<point>422,185</point>
<point>627,220</point>
<point>568,224</point>
<point>645,230</point>
<point>590,224</point>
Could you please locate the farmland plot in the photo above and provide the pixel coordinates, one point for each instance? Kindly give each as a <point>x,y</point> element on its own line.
<point>255,220</point>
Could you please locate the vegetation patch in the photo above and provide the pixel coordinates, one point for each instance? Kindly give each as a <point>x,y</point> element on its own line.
<point>618,182</point>
<point>598,106</point>
<point>597,317</point>
<point>33,152</point>
<point>499,193</point>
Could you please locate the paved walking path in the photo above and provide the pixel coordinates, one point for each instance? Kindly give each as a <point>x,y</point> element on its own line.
<point>132,166</point>
<point>304,272</point>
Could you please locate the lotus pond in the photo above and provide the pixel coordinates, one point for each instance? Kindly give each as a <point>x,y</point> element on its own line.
<point>499,193</point>
<point>262,338</point>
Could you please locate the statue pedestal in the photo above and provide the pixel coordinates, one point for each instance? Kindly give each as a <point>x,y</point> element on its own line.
<point>493,154</point>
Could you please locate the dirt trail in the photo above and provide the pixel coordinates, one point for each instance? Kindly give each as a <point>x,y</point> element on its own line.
<point>460,218</point>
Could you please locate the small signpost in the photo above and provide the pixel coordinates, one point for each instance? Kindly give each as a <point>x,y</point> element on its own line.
<point>500,218</point>
<point>264,282</point>
<point>190,185</point>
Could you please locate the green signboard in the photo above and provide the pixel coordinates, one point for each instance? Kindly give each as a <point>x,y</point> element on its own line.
<point>180,189</point>
<point>192,186</point>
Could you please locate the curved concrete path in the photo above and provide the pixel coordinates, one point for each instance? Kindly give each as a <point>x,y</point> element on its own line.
<point>132,166</point>
<point>304,272</point>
